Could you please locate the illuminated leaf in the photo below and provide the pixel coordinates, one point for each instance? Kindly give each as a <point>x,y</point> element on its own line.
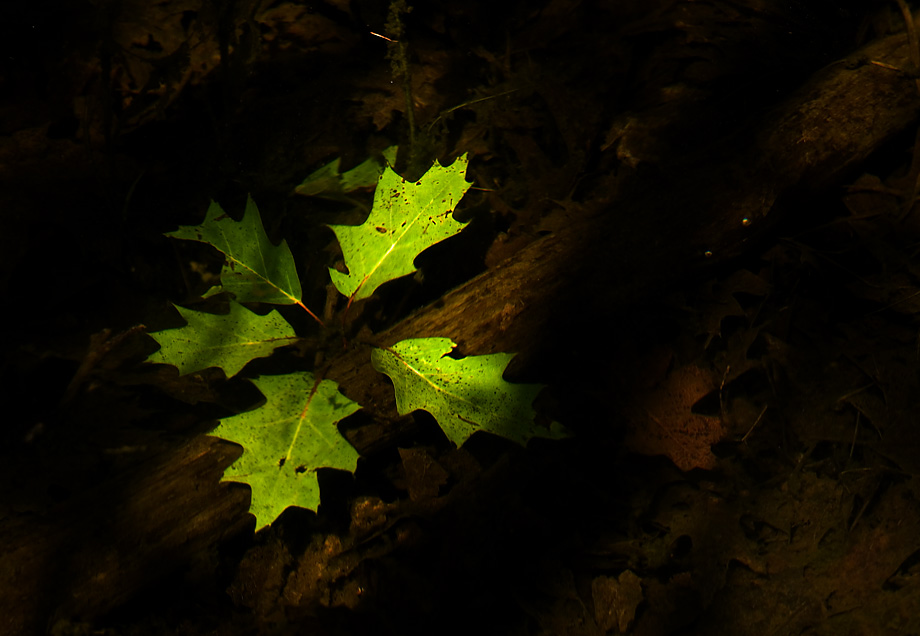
<point>407,218</point>
<point>465,395</point>
<point>256,270</point>
<point>287,440</point>
<point>228,341</point>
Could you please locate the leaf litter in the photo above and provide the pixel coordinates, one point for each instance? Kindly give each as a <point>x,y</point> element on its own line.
<point>816,511</point>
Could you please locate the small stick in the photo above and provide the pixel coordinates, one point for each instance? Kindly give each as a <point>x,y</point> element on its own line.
<point>754,425</point>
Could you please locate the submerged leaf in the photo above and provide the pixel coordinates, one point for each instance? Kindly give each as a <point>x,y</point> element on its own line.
<point>287,440</point>
<point>465,395</point>
<point>256,270</point>
<point>406,219</point>
<point>228,341</point>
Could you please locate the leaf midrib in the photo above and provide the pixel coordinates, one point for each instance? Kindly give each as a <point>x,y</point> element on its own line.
<point>432,384</point>
<point>232,257</point>
<point>393,245</point>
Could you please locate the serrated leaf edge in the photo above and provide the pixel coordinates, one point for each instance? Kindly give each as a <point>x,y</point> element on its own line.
<point>429,382</point>
<point>334,274</point>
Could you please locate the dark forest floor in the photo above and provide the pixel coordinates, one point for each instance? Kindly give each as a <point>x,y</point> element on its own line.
<point>746,441</point>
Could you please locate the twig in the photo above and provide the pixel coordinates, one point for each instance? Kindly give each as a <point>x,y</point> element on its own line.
<point>465,104</point>
<point>855,433</point>
<point>754,425</point>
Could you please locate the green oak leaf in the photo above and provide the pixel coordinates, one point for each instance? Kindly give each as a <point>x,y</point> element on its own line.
<point>327,181</point>
<point>465,395</point>
<point>406,219</point>
<point>287,440</point>
<point>324,180</point>
<point>228,341</point>
<point>256,271</point>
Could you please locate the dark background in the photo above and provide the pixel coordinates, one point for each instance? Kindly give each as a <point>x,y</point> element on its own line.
<point>785,368</point>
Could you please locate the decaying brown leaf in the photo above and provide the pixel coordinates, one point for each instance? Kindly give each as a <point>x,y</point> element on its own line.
<point>424,475</point>
<point>663,424</point>
<point>615,600</point>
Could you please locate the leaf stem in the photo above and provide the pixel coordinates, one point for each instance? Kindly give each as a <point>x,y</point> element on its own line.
<point>312,315</point>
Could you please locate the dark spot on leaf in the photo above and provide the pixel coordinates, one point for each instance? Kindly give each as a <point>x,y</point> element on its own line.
<point>300,469</point>
<point>382,230</point>
<point>281,462</point>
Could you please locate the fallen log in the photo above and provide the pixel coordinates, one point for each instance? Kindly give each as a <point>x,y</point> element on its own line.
<point>76,561</point>
<point>628,248</point>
